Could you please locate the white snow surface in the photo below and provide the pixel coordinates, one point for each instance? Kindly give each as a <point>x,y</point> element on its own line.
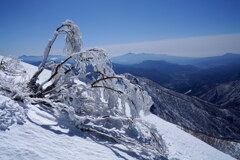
<point>182,145</point>
<point>33,141</point>
<point>30,69</point>
<point>127,110</point>
<point>42,137</point>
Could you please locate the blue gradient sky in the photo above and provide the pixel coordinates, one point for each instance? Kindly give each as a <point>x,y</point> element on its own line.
<point>26,25</point>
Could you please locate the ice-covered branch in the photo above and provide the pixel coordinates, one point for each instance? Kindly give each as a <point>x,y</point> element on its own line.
<point>33,80</point>
<point>72,45</point>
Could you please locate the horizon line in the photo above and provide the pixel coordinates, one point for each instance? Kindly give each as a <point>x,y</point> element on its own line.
<point>197,46</point>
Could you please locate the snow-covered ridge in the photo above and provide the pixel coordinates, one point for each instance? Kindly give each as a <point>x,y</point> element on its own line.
<point>44,135</point>
<point>196,116</point>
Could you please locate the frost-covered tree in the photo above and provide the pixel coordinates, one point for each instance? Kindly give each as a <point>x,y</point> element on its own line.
<point>72,45</point>
<point>94,98</point>
<point>12,76</point>
<point>11,66</point>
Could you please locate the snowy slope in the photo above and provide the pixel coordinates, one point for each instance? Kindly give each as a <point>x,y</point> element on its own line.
<point>35,141</point>
<point>182,145</point>
<point>30,69</point>
<point>41,137</point>
<point>44,136</point>
<point>197,115</point>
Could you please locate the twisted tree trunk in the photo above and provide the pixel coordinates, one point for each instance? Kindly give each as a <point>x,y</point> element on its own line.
<point>32,83</point>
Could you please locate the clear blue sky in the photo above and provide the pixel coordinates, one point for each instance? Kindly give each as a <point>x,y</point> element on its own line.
<point>26,25</point>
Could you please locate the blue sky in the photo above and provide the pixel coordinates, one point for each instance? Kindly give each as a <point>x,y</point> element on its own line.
<point>26,25</point>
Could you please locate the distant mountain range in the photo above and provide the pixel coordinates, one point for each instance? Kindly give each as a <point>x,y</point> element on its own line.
<point>192,75</point>
<point>36,60</point>
<point>133,58</point>
<point>161,72</point>
<point>205,62</point>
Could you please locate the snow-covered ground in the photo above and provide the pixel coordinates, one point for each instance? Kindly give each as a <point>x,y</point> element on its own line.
<point>30,69</point>
<point>182,145</point>
<point>41,138</point>
<point>44,136</point>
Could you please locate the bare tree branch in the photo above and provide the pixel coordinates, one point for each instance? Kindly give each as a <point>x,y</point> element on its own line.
<point>103,79</point>
<point>118,91</point>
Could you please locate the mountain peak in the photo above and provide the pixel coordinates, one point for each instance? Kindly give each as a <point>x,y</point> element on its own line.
<point>130,54</point>
<point>231,54</point>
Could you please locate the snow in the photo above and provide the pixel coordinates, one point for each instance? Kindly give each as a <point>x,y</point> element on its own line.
<point>102,96</point>
<point>10,113</point>
<point>37,139</point>
<point>30,69</point>
<point>182,145</point>
<point>41,137</point>
<point>41,117</point>
<point>189,91</point>
<point>119,104</point>
<point>127,110</point>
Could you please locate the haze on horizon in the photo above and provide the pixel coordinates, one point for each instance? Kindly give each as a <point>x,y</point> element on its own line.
<point>175,27</point>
